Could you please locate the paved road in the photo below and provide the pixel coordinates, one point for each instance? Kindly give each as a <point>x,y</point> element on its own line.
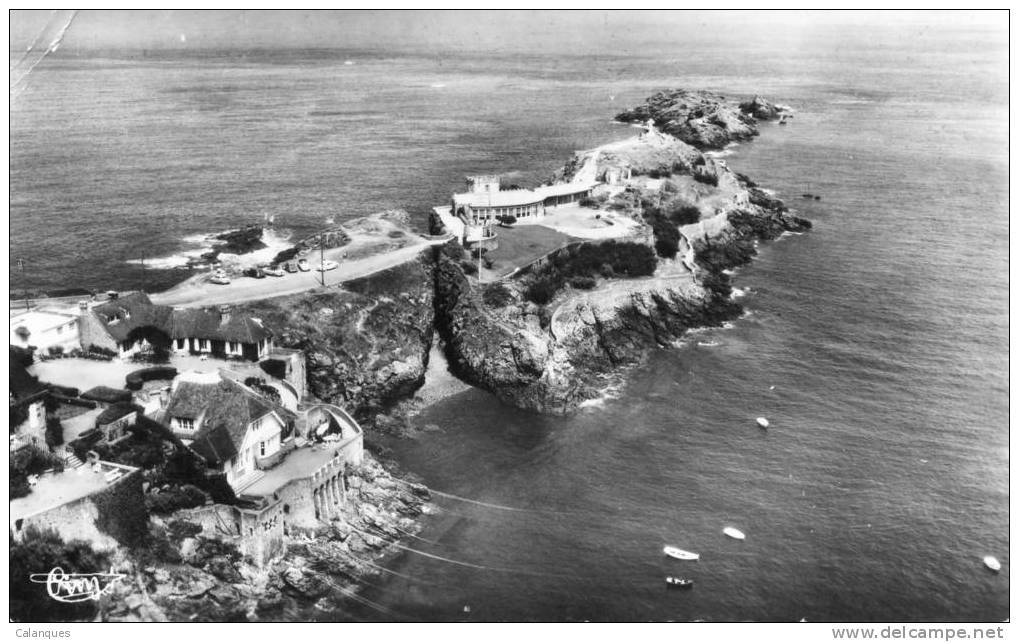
<point>198,292</point>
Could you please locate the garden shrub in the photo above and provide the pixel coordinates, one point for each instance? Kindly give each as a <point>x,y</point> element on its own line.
<point>54,431</point>
<point>706,178</point>
<point>588,259</point>
<point>30,460</point>
<point>453,250</point>
<point>22,356</point>
<point>685,215</point>
<point>174,499</point>
<point>542,290</point>
<point>134,380</point>
<point>583,282</point>
<point>506,219</point>
<point>497,295</point>
<point>666,237</point>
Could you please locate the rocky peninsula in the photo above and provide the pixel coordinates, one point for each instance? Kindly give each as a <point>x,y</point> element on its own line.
<point>557,331</point>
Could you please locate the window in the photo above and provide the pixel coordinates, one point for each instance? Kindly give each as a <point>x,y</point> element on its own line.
<point>180,344</point>
<point>184,423</point>
<point>256,424</point>
<point>203,344</point>
<point>232,346</point>
<point>261,449</point>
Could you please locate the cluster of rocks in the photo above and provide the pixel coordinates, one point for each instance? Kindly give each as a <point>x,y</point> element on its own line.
<point>187,576</point>
<point>240,241</point>
<point>326,239</point>
<point>700,118</point>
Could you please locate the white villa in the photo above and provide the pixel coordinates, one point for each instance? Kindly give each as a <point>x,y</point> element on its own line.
<point>232,427</point>
<point>476,210</point>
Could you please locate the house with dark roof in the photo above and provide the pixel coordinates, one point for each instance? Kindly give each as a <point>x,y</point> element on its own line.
<point>220,333</point>
<point>232,427</point>
<point>124,324</point>
<point>113,421</point>
<point>129,323</point>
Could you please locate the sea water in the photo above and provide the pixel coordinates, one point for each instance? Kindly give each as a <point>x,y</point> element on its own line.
<point>876,344</point>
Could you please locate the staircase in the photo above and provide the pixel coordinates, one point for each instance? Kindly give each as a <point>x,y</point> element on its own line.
<point>71,461</point>
<point>248,481</point>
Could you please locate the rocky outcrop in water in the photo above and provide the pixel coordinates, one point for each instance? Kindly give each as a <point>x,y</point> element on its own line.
<point>703,119</point>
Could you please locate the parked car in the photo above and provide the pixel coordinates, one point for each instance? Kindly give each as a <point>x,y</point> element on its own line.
<point>303,266</point>
<point>327,265</point>
<point>290,266</point>
<point>255,273</point>
<point>272,271</point>
<point>220,279</point>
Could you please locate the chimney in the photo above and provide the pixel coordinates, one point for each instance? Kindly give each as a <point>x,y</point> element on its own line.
<point>224,313</point>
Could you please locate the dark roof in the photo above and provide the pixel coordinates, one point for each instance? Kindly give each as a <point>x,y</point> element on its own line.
<point>216,445</point>
<point>123,315</point>
<point>190,399</point>
<point>207,324</point>
<point>229,407</point>
<point>115,412</point>
<point>107,394</point>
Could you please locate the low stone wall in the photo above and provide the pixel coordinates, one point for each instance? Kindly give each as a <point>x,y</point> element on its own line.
<point>109,518</point>
<point>265,463</point>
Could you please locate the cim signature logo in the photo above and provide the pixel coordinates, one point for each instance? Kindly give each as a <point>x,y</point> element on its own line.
<point>75,587</point>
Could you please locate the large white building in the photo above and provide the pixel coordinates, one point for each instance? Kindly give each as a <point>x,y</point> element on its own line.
<point>472,213</point>
<point>485,200</point>
<point>44,329</point>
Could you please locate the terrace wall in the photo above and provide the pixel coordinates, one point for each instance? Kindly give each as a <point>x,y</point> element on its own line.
<point>109,518</point>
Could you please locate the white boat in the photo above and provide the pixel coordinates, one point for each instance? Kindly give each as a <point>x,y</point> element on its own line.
<point>327,265</point>
<point>679,582</point>
<point>680,554</point>
<point>992,563</point>
<point>734,533</point>
<point>762,422</point>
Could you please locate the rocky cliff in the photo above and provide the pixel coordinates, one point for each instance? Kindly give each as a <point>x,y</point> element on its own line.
<point>366,345</point>
<point>551,358</point>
